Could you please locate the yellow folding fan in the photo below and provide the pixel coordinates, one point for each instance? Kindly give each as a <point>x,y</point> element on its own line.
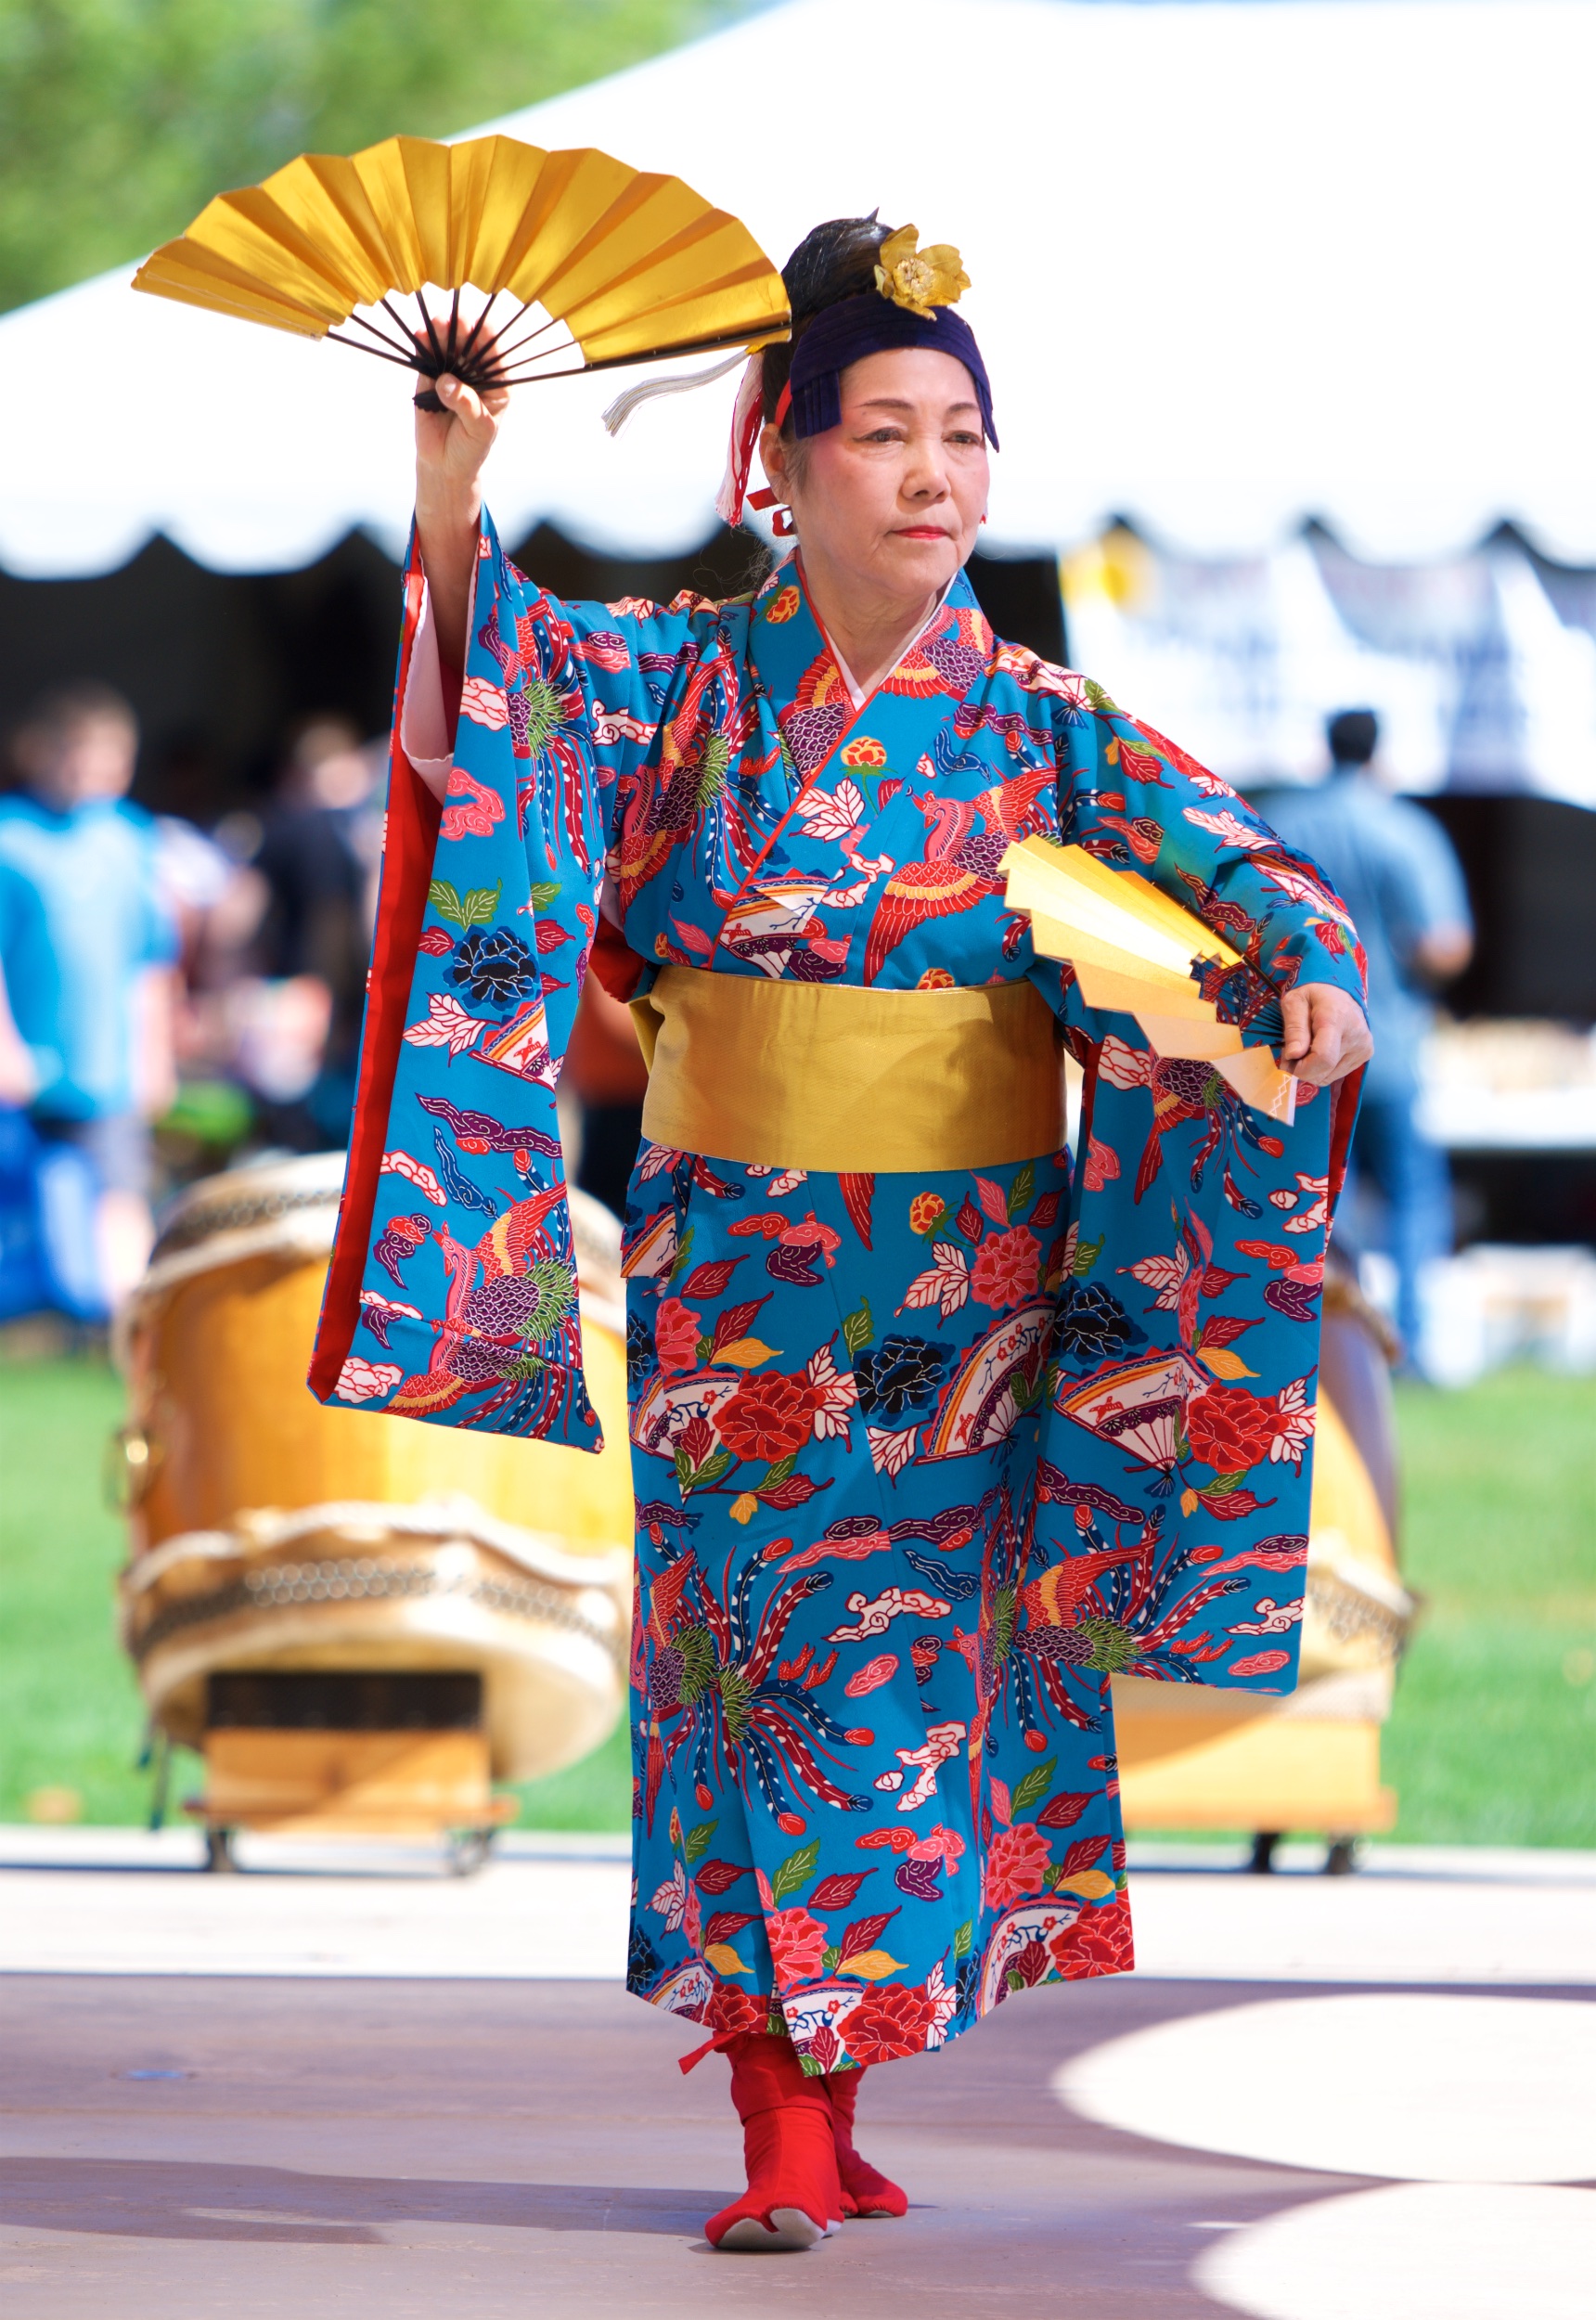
<point>1133,950</point>
<point>530,258</point>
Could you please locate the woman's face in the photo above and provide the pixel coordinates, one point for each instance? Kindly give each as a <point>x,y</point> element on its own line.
<point>892,498</point>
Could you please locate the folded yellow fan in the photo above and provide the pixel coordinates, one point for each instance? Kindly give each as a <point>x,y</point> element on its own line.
<point>532,258</point>
<point>1134,950</point>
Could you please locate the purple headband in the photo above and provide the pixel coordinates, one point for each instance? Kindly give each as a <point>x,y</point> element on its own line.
<point>869,325</point>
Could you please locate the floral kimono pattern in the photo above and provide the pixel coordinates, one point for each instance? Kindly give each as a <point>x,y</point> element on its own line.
<point>920,1459</point>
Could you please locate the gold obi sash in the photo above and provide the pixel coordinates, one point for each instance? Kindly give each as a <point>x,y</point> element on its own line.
<point>847,1081</point>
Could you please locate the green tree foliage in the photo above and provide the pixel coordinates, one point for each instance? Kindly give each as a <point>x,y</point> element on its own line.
<point>118,119</point>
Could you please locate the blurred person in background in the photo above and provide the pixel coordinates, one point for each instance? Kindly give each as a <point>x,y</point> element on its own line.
<point>1395,868</point>
<point>193,874</point>
<point>309,897</point>
<point>212,1116</point>
<point>86,950</point>
<point>195,878</point>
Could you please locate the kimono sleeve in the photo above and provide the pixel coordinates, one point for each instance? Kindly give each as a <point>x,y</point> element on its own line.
<point>1178,1445</point>
<point>452,1295</point>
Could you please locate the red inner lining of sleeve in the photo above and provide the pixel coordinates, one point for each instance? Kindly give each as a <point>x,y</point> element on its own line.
<point>1344,1098</point>
<point>617,965</point>
<point>409,848</point>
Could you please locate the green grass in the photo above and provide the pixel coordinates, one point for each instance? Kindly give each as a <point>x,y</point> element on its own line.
<point>595,1794</point>
<point>1493,1740</point>
<point>70,1710</point>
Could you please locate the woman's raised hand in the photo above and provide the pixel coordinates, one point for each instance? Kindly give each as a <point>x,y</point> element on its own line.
<point>451,445</point>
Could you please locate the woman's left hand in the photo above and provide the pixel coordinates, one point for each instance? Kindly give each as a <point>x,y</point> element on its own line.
<point>1327,1034</point>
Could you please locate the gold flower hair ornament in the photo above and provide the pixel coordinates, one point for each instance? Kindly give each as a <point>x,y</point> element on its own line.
<point>918,279</point>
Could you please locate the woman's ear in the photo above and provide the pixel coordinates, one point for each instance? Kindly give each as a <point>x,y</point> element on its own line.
<point>773,459</point>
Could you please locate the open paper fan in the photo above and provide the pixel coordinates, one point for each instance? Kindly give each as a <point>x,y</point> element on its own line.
<point>1133,950</point>
<point>530,258</point>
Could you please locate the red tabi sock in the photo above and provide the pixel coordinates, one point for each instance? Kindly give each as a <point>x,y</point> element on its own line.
<point>793,2199</point>
<point>866,2191</point>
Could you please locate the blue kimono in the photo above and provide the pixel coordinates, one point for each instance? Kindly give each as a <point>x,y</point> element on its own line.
<point>919,1458</point>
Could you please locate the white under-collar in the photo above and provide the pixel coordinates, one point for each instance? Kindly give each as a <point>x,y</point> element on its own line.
<point>856,692</point>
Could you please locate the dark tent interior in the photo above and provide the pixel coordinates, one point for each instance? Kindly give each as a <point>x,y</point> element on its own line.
<point>221,667</point>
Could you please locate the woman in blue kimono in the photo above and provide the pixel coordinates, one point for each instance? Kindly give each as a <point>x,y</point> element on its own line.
<point>932,1430</point>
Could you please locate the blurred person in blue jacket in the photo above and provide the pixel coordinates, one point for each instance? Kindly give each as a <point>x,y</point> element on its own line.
<point>1394,867</point>
<point>87,952</point>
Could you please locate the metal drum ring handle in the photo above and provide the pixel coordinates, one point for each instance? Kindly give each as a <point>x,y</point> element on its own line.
<point>131,1459</point>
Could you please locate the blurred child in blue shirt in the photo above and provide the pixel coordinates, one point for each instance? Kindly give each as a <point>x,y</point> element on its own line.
<point>86,947</point>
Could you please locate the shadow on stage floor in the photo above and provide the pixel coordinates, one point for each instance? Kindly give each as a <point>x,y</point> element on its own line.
<point>157,2198</point>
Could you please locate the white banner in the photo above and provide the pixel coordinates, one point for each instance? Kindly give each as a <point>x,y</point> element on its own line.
<point>1483,677</point>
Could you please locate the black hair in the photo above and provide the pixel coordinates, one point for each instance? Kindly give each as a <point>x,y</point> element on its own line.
<point>83,701</point>
<point>832,261</point>
<point>1353,735</point>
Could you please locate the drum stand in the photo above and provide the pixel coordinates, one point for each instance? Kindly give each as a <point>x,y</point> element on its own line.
<point>468,1848</point>
<point>314,1752</point>
<point>1340,1854</point>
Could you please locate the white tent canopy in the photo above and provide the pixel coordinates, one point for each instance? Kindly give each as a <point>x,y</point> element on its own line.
<point>1235,265</point>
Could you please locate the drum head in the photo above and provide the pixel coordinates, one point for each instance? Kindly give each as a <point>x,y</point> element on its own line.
<point>241,1200</point>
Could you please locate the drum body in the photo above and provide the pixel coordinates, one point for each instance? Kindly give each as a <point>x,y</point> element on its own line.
<point>271,1533</point>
